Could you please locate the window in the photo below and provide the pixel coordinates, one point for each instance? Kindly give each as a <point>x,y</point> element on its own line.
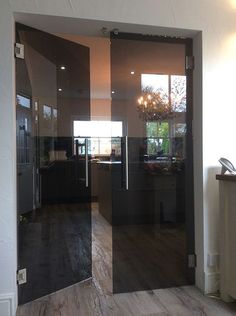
<point>54,114</point>
<point>158,142</point>
<point>174,86</point>
<point>178,92</point>
<point>47,112</point>
<point>23,101</point>
<point>156,82</point>
<point>166,137</point>
<point>103,136</point>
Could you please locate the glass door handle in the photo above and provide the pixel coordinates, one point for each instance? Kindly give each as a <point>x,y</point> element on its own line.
<point>77,149</point>
<point>86,163</point>
<point>126,163</point>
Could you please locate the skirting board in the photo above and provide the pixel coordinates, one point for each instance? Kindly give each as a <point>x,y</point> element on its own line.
<point>212,282</point>
<point>7,304</point>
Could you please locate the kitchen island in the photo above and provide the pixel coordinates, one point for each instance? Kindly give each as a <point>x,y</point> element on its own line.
<point>151,197</point>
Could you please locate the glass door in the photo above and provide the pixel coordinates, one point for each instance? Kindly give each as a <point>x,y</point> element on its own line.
<point>54,187</point>
<point>152,206</point>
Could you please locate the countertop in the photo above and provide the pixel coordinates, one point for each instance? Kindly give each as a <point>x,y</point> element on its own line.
<point>226,177</point>
<point>109,162</point>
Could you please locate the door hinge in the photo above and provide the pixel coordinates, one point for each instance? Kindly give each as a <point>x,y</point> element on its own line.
<point>21,276</point>
<point>19,51</point>
<point>192,261</point>
<point>189,62</point>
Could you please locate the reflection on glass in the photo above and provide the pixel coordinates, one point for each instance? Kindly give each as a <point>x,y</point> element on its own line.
<point>158,142</point>
<point>23,101</point>
<point>180,129</point>
<point>148,217</point>
<point>54,113</point>
<point>98,146</point>
<point>174,86</point>
<point>156,82</point>
<point>47,112</point>
<point>178,92</point>
<point>97,128</point>
<point>54,202</point>
<point>101,134</point>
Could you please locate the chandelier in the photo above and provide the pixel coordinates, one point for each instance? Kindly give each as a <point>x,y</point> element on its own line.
<point>154,106</point>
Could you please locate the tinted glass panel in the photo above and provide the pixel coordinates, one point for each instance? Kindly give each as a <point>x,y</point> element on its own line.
<point>54,187</point>
<point>148,213</point>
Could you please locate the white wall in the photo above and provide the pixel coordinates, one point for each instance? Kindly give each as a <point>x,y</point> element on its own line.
<point>217,21</point>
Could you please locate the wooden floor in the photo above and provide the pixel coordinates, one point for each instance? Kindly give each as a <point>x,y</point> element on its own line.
<point>94,296</point>
<point>55,248</point>
<point>149,257</point>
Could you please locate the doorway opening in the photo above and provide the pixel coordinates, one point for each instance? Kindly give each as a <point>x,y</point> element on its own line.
<point>106,171</point>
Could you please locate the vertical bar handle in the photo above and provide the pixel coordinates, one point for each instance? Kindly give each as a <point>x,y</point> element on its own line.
<point>126,164</point>
<point>77,149</point>
<point>86,163</point>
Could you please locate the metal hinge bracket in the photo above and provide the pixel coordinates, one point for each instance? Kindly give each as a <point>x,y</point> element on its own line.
<point>21,276</point>
<point>189,62</point>
<point>192,261</point>
<point>19,51</point>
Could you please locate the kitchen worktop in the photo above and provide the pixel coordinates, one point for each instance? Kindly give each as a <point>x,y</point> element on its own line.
<point>226,177</point>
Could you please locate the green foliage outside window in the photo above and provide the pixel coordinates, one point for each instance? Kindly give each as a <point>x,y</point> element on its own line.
<point>158,142</point>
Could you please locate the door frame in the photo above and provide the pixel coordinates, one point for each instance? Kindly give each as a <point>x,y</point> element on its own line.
<point>196,37</point>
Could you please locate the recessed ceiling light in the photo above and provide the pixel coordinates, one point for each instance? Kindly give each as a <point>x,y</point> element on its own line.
<point>63,67</point>
<point>112,91</point>
<point>132,72</point>
<point>59,89</point>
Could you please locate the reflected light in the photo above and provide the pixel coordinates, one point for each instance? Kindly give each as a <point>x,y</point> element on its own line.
<point>230,46</point>
<point>132,72</point>
<point>233,3</point>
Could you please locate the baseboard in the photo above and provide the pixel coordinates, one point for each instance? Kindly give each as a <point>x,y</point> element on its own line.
<point>212,282</point>
<point>7,304</point>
